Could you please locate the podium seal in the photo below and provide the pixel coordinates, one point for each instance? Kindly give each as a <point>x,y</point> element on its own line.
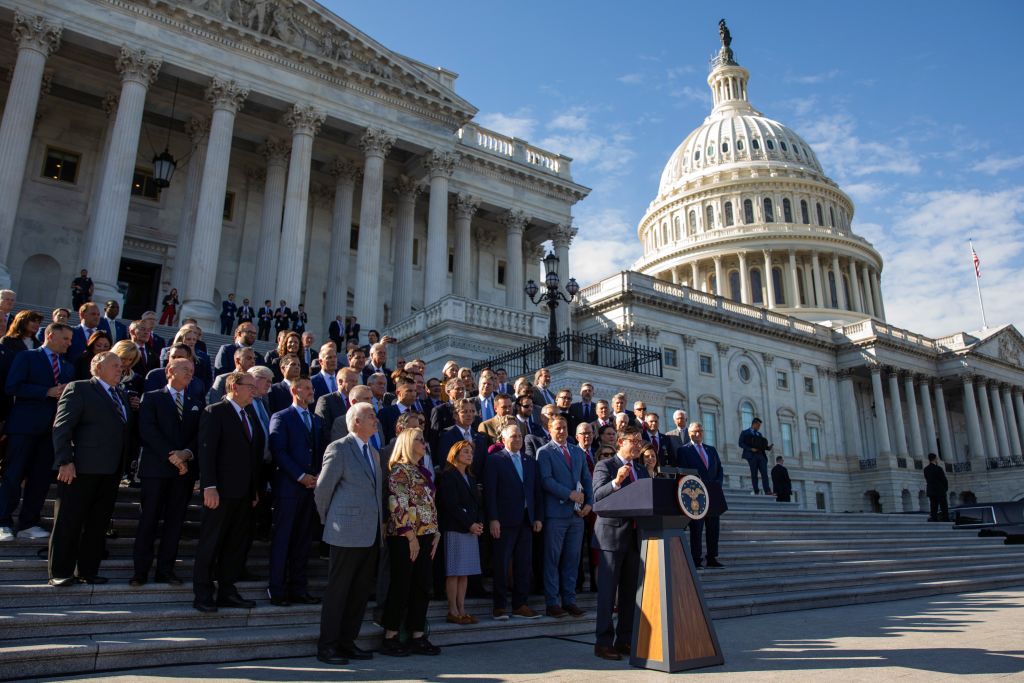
<point>692,496</point>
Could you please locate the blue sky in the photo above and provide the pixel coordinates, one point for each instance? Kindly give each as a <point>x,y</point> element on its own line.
<point>913,107</point>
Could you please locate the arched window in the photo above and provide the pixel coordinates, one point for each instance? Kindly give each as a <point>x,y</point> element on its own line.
<point>664,232</point>
<point>728,213</point>
<point>746,414</point>
<point>801,294</point>
<point>831,217</point>
<point>712,283</point>
<point>748,211</point>
<point>769,210</point>
<point>739,144</point>
<point>711,151</point>
<point>780,291</point>
<point>804,216</point>
<point>709,217</point>
<point>787,210</point>
<point>725,148</point>
<point>734,286</point>
<point>691,226</point>
<point>756,292</point>
<point>782,143</point>
<point>821,219</point>
<point>833,293</point>
<point>677,225</point>
<point>755,143</point>
<point>770,144</point>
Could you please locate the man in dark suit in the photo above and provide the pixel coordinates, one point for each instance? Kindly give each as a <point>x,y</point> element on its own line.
<point>349,498</point>
<point>299,318</point>
<point>351,330</point>
<point>157,378</point>
<point>265,318</point>
<point>584,409</point>
<point>230,453</point>
<point>245,337</point>
<point>463,430</point>
<point>156,343</point>
<point>619,562</point>
<point>661,442</point>
<point>245,312</point>
<point>280,396</point>
<point>335,404</point>
<point>90,316</point>
<point>936,488</point>
<point>618,405</point>
<point>524,417</point>
<point>325,379</point>
<point>228,310</point>
<point>336,333</point>
<point>36,380</point>
<point>90,434</point>
<point>678,436</point>
<point>755,452</point>
<point>117,330</point>
<point>512,496</point>
<point>297,443</point>
<point>169,430</point>
<point>282,317</point>
<point>378,363</point>
<point>140,334</point>
<point>405,394</point>
<point>780,481</point>
<point>604,416</point>
<point>443,416</point>
<point>697,456</point>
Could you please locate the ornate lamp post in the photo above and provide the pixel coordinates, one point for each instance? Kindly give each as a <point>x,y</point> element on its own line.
<point>551,297</point>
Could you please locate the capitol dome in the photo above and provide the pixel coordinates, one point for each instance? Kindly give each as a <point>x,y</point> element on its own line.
<point>744,203</point>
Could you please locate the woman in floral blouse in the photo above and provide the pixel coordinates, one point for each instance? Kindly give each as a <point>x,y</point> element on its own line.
<point>412,538</point>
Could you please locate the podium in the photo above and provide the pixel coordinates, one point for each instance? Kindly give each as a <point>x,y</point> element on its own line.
<point>672,630</point>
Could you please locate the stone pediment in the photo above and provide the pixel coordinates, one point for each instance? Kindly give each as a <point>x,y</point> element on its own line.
<point>337,47</point>
<point>1006,345</point>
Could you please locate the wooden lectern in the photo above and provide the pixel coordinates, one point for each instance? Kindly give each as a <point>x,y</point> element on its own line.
<point>672,630</point>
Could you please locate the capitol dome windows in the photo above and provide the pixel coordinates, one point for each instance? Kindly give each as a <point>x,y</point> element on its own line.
<point>782,144</point>
<point>711,151</point>
<point>734,286</point>
<point>780,291</point>
<point>709,215</point>
<point>770,144</point>
<point>748,211</point>
<point>821,219</point>
<point>769,211</point>
<point>696,155</point>
<point>678,226</point>
<point>787,211</point>
<point>728,214</point>
<point>804,216</point>
<point>691,225</point>
<point>725,148</point>
<point>739,145</point>
<point>755,143</point>
<point>756,291</point>
<point>664,232</point>
<point>831,217</point>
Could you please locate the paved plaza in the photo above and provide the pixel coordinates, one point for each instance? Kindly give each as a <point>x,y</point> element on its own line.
<point>936,639</point>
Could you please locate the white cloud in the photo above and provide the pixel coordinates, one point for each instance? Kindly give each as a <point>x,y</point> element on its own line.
<point>576,119</point>
<point>865,192</point>
<point>993,165</point>
<point>606,243</point>
<point>519,124</point>
<point>631,79</point>
<point>844,154</point>
<point>813,79</point>
<point>690,94</point>
<point>675,72</point>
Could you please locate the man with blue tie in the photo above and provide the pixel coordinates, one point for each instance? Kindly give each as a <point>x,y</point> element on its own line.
<point>512,496</point>
<point>568,498</point>
<point>583,410</point>
<point>169,430</point>
<point>36,380</point>
<point>619,563</point>
<point>90,316</point>
<point>297,443</point>
<point>704,458</point>
<point>485,399</point>
<point>325,381</point>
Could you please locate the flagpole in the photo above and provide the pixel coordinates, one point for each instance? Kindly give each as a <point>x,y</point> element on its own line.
<point>977,282</point>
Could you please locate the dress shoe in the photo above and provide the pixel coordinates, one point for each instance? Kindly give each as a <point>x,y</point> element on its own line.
<point>454,619</point>
<point>499,614</point>
<point>331,657</point>
<point>422,646</point>
<point>93,580</point>
<point>555,611</point>
<point>469,619</point>
<point>70,581</point>
<point>355,652</point>
<point>206,606</point>
<point>137,580</point>
<point>573,610</point>
<point>170,578</point>
<point>623,649</point>
<point>235,600</point>
<point>304,599</point>
<point>524,612</point>
<point>605,652</point>
<point>393,647</point>
<point>280,602</point>
<point>713,562</point>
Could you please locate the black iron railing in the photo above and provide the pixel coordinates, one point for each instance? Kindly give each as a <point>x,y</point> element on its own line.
<point>580,348</point>
<point>868,464</point>
<point>1001,463</point>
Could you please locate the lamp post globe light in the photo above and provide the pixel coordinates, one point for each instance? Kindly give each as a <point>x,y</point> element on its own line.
<point>551,297</point>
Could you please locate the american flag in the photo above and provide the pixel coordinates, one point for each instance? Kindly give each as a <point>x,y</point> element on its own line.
<point>977,263</point>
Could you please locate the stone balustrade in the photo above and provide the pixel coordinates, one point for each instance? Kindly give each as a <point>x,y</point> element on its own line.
<point>454,309</point>
<point>514,149</point>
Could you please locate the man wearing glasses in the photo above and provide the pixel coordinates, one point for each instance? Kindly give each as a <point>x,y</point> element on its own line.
<point>704,458</point>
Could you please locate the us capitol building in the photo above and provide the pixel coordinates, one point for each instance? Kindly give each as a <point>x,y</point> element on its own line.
<point>271,149</point>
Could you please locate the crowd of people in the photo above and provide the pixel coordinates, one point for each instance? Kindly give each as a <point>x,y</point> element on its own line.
<point>413,485</point>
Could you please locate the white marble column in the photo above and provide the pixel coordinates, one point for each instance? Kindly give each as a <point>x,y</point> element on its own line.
<point>881,423</point>
<point>744,278</point>
<point>406,189</point>
<point>720,278</point>
<point>840,289</point>
<point>869,299</point>
<point>999,420</point>
<point>945,435</point>
<point>988,431</point>
<point>913,423</point>
<point>227,97</point>
<point>1011,421</point>
<point>345,173</point>
<point>198,130</point>
<point>897,412</point>
<point>858,304</point>
<point>561,238</point>
<point>376,143</point>
<point>695,277</point>
<point>819,286</point>
<point>974,437</point>
<point>305,121</point>
<point>851,434</point>
<point>515,221</point>
<point>276,152</point>
<point>138,70</point>
<point>929,438</point>
<point>795,281</point>
<point>768,280</point>
<point>110,109</point>
<point>37,39</point>
<point>462,279</point>
<point>1018,405</point>
<point>877,292</point>
<point>440,164</point>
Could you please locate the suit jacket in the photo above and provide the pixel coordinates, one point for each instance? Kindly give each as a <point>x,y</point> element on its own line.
<point>228,460</point>
<point>161,431</point>
<point>320,387</point>
<point>388,417</point>
<point>489,428</point>
<point>747,442</point>
<point>458,502</point>
<point>330,407</point>
<point>576,412</point>
<point>228,309</point>
<point>296,450</point>
<point>781,484</point>
<point>89,430</point>
<point>336,333</point>
<point>532,445</point>
<point>349,496</point>
<point>369,370</point>
<point>78,341</point>
<point>225,359</point>
<point>282,317</point>
<point>614,533</point>
<point>148,361</point>
<point>245,314</point>
<point>679,438</point>
<point>352,332</point>
<point>666,448</point>
<point>9,348</point>
<point>712,475</point>
<point>451,436</point>
<point>559,479</point>
<point>539,399</point>
<point>279,397</point>
<point>531,426</point>
<point>117,334</point>
<point>506,496</point>
<point>936,483</point>
<point>28,380</point>
<point>203,366</point>
<point>157,379</point>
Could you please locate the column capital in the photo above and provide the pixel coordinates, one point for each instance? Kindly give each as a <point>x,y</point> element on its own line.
<point>723,349</point>
<point>376,142</point>
<point>768,358</point>
<point>255,174</point>
<point>563,235</point>
<point>485,238</point>
<point>109,104</point>
<point>514,220</point>
<point>304,119</point>
<point>35,33</point>
<point>689,341</point>
<point>137,65</point>
<point>717,259</point>
<point>922,380</point>
<point>767,254</point>
<point>197,129</point>
<point>875,368</point>
<point>465,205</point>
<point>969,378</point>
<point>441,163</point>
<point>345,170</point>
<point>796,365</point>
<point>275,151</point>
<point>844,374</point>
<point>407,188</point>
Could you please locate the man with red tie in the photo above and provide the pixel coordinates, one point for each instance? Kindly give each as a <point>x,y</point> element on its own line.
<point>704,458</point>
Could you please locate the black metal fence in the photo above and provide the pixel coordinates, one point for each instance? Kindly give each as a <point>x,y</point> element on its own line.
<point>580,348</point>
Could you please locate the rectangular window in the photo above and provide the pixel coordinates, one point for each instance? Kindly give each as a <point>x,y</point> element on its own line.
<point>61,166</point>
<point>353,240</point>
<point>705,364</point>
<point>670,357</point>
<point>229,206</point>
<point>787,440</point>
<point>815,446</point>
<point>809,385</point>
<point>500,275</point>
<point>144,185</point>
<point>782,379</point>
<point>819,500</point>
<point>415,251</point>
<point>708,420</point>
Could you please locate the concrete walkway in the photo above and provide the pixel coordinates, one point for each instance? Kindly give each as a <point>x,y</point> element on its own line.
<point>980,635</point>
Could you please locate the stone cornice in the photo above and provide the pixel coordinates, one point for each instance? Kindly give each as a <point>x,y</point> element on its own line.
<point>513,174</point>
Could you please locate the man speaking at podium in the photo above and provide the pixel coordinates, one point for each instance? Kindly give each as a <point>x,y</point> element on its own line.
<point>703,458</point>
<point>619,564</point>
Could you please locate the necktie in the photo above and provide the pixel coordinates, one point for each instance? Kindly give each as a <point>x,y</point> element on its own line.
<point>262,413</point>
<point>375,440</point>
<point>179,404</point>
<point>518,464</point>
<point>142,351</point>
<point>632,471</point>
<point>331,383</point>
<point>56,368</point>
<point>586,410</point>
<point>369,461</point>
<point>117,404</point>
<point>487,412</point>
<point>568,458</point>
<point>703,455</point>
<point>245,425</point>
<point>305,419</point>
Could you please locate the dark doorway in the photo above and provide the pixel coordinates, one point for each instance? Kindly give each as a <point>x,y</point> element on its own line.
<point>139,282</point>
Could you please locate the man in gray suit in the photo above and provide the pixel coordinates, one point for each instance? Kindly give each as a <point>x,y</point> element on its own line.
<point>349,498</point>
<point>90,433</point>
<point>335,404</point>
